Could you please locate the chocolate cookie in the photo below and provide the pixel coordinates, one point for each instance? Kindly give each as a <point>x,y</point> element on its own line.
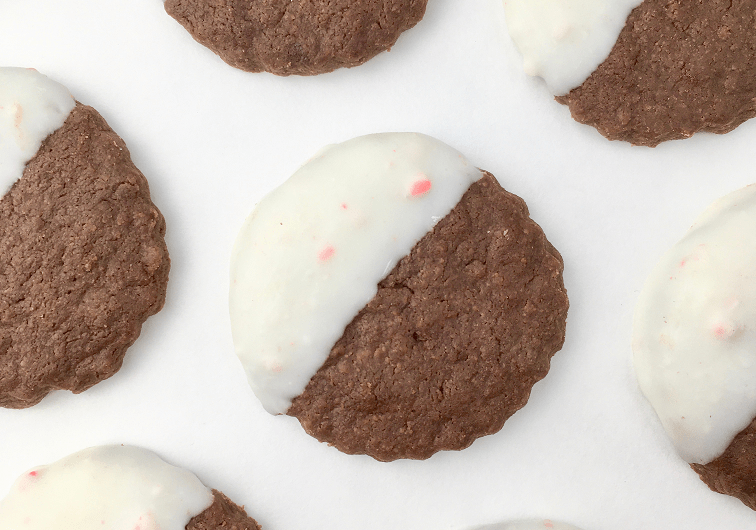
<point>450,346</point>
<point>85,261</point>
<point>734,472</point>
<point>678,67</point>
<point>304,37</point>
<point>223,514</point>
<point>403,352</point>
<point>117,487</point>
<point>693,345</point>
<point>643,72</point>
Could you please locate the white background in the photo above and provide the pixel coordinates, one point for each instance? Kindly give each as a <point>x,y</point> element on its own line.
<point>212,140</point>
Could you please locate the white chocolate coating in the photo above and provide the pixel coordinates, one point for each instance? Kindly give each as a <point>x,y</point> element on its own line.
<point>311,254</point>
<point>533,524</point>
<point>105,488</point>
<point>694,330</point>
<point>31,108</point>
<point>564,41</point>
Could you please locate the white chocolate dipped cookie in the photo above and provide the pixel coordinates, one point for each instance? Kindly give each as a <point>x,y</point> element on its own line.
<point>115,488</point>
<point>378,268</point>
<point>694,343</point>
<point>643,72</point>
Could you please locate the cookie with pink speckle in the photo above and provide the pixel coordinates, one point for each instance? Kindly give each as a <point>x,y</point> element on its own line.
<point>85,262</point>
<point>304,37</point>
<point>693,345</point>
<point>117,487</point>
<point>408,302</point>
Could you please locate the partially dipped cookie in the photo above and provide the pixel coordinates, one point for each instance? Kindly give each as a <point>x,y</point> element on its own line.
<point>643,72</point>
<point>113,488</point>
<point>304,37</point>
<point>84,259</point>
<point>395,299</point>
<point>694,344</point>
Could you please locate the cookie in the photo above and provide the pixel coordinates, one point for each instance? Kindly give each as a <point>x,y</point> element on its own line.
<point>305,37</point>
<point>85,259</point>
<point>677,67</point>
<point>693,344</point>
<point>114,487</point>
<point>395,299</point>
<point>532,524</point>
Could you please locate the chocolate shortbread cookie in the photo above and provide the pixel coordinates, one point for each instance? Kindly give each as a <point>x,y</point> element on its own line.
<point>643,72</point>
<point>453,341</point>
<point>117,487</point>
<point>693,344</point>
<point>303,37</point>
<point>734,472</point>
<point>223,514</point>
<point>678,67</point>
<point>85,262</point>
<point>409,303</point>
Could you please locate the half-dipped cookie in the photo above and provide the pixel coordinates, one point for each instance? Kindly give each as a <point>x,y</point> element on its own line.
<point>394,298</point>
<point>84,259</point>
<point>116,487</point>
<point>643,72</point>
<point>694,345</point>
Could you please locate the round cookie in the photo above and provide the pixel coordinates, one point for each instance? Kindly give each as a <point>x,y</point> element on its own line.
<point>395,299</point>
<point>116,487</point>
<point>305,37</point>
<point>85,259</point>
<point>693,344</point>
<point>677,67</point>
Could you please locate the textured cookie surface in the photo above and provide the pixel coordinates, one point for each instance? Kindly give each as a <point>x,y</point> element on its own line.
<point>223,514</point>
<point>734,472</point>
<point>453,341</point>
<point>84,262</point>
<point>302,37</point>
<point>678,67</point>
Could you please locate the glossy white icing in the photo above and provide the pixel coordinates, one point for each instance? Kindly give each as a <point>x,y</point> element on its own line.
<point>532,524</point>
<point>105,488</point>
<point>694,330</point>
<point>311,254</point>
<point>564,41</point>
<point>31,108</point>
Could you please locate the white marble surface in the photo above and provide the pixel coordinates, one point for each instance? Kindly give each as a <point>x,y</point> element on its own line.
<point>587,449</point>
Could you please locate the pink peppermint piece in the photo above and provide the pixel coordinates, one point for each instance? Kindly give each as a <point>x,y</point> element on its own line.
<point>420,187</point>
<point>326,253</point>
<point>343,206</point>
<point>724,331</point>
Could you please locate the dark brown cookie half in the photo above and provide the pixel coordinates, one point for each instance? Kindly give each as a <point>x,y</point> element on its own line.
<point>303,37</point>
<point>84,262</point>
<point>453,341</point>
<point>223,514</point>
<point>734,472</point>
<point>678,67</point>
